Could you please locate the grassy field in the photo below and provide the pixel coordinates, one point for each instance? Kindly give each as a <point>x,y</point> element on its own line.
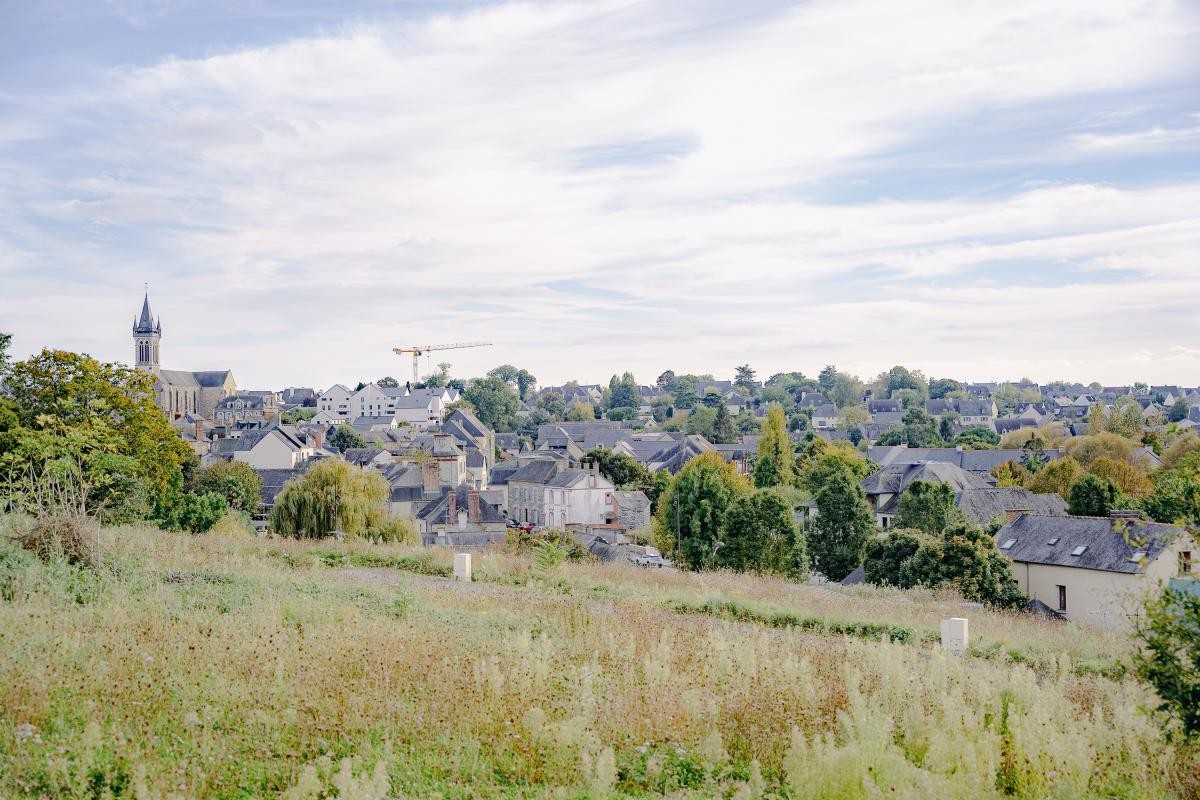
<point>234,667</point>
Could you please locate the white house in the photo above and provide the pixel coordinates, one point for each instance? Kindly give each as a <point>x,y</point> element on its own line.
<point>578,496</point>
<point>336,400</point>
<point>1095,570</point>
<point>825,417</point>
<point>419,410</point>
<point>275,448</point>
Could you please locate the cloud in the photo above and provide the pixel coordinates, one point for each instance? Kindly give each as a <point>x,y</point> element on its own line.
<point>598,186</point>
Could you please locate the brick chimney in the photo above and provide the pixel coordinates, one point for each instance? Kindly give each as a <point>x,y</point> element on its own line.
<point>1013,513</point>
<point>429,476</point>
<point>452,511</point>
<point>199,430</point>
<point>473,515</point>
<point>318,436</point>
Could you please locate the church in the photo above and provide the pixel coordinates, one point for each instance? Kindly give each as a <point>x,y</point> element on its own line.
<point>180,393</point>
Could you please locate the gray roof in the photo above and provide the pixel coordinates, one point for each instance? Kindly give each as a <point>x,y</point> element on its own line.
<point>970,460</point>
<point>540,471</point>
<point>1107,545</point>
<point>825,410</point>
<point>273,481</point>
<point>635,500</point>
<point>248,401</point>
<point>435,512</point>
<point>568,478</point>
<point>896,478</point>
<point>984,505</point>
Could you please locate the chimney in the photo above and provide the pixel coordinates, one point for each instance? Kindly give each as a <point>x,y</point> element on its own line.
<point>473,515</point>
<point>199,430</point>
<point>318,436</point>
<point>429,476</point>
<point>452,511</point>
<point>1013,513</point>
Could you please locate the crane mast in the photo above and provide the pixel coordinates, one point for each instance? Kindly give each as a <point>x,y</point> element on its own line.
<point>419,350</point>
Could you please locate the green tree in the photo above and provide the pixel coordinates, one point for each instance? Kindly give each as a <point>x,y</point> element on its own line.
<point>724,430</point>
<point>619,468</point>
<point>820,460</point>
<point>1175,497</point>
<point>1169,658</point>
<point>827,378</point>
<point>622,413</point>
<point>775,464</point>
<point>977,439</point>
<point>344,437</point>
<point>964,557</point>
<point>666,381</point>
<point>519,379</point>
<point>759,533</point>
<point>495,402</point>
<point>692,510</point>
<point>623,392</point>
<point>1178,411</point>
<point>236,481</point>
<point>196,513</point>
<point>927,507</point>
<point>553,404</point>
<point>581,412</point>
<point>686,392</point>
<point>388,383</point>
<point>1092,497</point>
<point>701,421</point>
<point>885,557</point>
<point>744,376</point>
<point>838,537</point>
<point>918,429</point>
<point>99,419</point>
<point>940,387</point>
<point>332,495</point>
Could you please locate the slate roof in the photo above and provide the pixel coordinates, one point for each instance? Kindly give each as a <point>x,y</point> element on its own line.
<point>825,410</point>
<point>571,478</point>
<point>970,460</point>
<point>273,481</point>
<point>885,406</point>
<point>435,512</point>
<point>362,456</point>
<point>984,505</point>
<point>1107,547</point>
<point>896,478</point>
<point>499,474</point>
<point>249,402</point>
<point>539,471</point>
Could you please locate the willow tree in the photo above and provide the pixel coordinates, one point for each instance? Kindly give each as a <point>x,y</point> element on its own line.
<point>333,495</point>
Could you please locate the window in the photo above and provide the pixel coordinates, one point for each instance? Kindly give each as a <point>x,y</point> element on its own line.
<point>1185,562</point>
<point>1053,541</point>
<point>1008,544</point>
<point>1078,551</point>
<point>1062,598</point>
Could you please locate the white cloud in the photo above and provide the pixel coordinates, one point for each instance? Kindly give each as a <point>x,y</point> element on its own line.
<point>326,198</point>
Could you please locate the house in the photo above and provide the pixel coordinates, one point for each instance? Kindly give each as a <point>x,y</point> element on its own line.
<point>1095,569</point>
<point>368,456</point>
<point>278,447</point>
<point>578,496</point>
<point>971,413</point>
<point>295,396</point>
<point>885,407</point>
<point>526,490</point>
<point>418,409</point>
<point>825,417</point>
<point>632,509</point>
<point>242,407</point>
<point>980,462</point>
<point>980,500</point>
<point>337,401</point>
<point>460,517</point>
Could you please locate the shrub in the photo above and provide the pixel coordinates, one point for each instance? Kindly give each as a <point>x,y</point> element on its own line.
<point>236,481</point>
<point>1169,632</point>
<point>74,538</point>
<point>194,512</point>
<point>397,529</point>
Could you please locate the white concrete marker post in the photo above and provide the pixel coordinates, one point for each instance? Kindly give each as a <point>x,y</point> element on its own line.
<point>954,635</point>
<point>462,567</point>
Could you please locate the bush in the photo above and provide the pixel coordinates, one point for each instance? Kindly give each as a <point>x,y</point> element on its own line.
<point>74,538</point>
<point>1169,632</point>
<point>396,529</point>
<point>332,495</point>
<point>234,523</point>
<point>236,481</point>
<point>194,512</point>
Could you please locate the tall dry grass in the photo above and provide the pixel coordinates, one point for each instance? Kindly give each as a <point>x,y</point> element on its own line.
<point>229,667</point>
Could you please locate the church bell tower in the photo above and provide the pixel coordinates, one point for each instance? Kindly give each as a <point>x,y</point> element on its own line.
<point>147,333</point>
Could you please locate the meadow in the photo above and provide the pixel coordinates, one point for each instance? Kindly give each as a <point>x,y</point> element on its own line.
<point>234,667</point>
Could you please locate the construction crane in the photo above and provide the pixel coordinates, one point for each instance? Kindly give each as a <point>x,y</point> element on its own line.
<point>420,350</point>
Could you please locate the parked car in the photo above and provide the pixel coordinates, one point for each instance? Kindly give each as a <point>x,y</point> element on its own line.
<point>651,560</point>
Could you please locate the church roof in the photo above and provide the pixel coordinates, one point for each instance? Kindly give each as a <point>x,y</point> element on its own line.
<point>145,322</point>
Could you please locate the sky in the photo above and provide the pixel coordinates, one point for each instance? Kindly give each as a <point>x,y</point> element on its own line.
<point>975,189</point>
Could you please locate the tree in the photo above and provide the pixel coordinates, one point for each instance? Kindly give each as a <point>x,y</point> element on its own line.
<point>196,513</point>
<point>1129,479</point>
<point>5,343</point>
<point>332,495</point>
<point>1095,417</point>
<point>1178,411</point>
<point>1011,474</point>
<point>344,437</point>
<point>744,376</point>
<point>666,381</point>
<point>495,402</point>
<point>692,510</point>
<point>724,431</point>
<point>760,533</point>
<point>918,429</point>
<point>1058,477</point>
<point>1125,419</point>
<point>581,412</point>
<point>940,387</point>
<point>976,439</point>
<point>884,558</point>
<point>1169,658</point>
<point>1176,492</point>
<point>1087,449</point>
<point>827,378</point>
<point>927,507</point>
<point>686,389</point>
<point>1092,496</point>
<point>235,481</point>
<point>847,390</point>
<point>852,417</point>
<point>964,557</point>
<point>439,379</point>
<point>519,379</point>
<point>701,421</point>
<point>775,464</point>
<point>553,404</point>
<point>838,537</point>
<point>622,413</point>
<point>623,392</point>
<point>898,378</point>
<point>102,420</point>
<point>820,460</point>
<point>619,468</point>
<point>388,383</point>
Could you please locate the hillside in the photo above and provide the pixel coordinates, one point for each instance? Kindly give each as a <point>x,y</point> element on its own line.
<point>233,667</point>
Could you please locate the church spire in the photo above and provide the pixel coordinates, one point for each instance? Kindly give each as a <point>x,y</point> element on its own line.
<point>147,333</point>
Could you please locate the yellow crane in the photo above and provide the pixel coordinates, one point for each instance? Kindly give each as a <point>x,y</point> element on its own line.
<point>420,350</point>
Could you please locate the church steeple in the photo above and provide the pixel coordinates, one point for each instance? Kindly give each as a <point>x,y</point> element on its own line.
<point>147,333</point>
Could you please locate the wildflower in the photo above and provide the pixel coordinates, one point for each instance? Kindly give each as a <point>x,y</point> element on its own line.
<point>26,732</point>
